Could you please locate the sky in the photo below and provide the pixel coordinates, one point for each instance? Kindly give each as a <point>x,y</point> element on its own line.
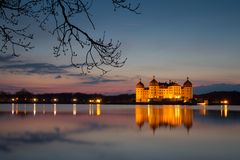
<point>170,39</point>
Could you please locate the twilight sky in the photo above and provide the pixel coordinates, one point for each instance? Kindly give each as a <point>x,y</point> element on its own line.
<point>171,39</point>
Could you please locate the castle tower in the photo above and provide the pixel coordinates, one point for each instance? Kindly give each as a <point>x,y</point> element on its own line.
<point>139,91</point>
<point>153,89</point>
<point>187,90</point>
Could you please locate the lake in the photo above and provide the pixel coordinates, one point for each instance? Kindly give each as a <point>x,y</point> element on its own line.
<point>79,131</point>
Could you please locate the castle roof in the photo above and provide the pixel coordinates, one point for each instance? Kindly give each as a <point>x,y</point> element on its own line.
<point>153,82</point>
<point>187,83</point>
<point>140,84</point>
<point>173,84</point>
<point>163,85</point>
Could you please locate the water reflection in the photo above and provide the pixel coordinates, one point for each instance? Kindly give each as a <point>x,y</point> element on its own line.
<point>25,108</point>
<point>44,109</point>
<point>98,109</point>
<point>55,109</point>
<point>8,141</point>
<point>164,116</point>
<point>74,134</point>
<point>93,109</point>
<point>74,109</point>
<point>34,109</point>
<point>155,116</point>
<point>203,111</point>
<point>224,111</point>
<point>13,108</point>
<point>16,109</point>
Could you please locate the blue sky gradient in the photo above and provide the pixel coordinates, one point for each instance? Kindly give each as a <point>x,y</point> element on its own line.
<point>171,39</point>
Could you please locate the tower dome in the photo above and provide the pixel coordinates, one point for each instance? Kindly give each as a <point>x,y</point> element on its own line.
<point>140,84</point>
<point>153,82</point>
<point>187,83</point>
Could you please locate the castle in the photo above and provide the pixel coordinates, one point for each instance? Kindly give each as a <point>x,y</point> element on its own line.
<point>158,91</point>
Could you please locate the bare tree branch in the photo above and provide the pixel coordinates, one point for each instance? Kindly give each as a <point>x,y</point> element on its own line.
<point>93,53</point>
<point>124,4</point>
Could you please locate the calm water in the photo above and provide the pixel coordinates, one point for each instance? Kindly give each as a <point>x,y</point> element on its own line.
<point>119,132</point>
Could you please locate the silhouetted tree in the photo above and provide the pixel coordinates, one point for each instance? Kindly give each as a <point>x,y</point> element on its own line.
<point>97,52</point>
<point>24,93</point>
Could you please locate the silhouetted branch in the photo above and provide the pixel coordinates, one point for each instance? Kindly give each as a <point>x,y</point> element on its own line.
<point>124,4</point>
<point>94,53</point>
<point>11,38</point>
<point>14,38</point>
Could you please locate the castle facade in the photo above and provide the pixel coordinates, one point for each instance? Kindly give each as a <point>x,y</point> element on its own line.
<point>158,91</point>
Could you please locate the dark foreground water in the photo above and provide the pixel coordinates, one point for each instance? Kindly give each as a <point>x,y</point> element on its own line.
<point>116,132</point>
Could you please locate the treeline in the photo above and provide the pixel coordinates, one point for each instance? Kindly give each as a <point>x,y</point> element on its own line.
<point>24,96</point>
<point>232,97</point>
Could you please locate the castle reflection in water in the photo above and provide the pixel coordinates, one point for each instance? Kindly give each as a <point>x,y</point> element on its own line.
<point>166,116</point>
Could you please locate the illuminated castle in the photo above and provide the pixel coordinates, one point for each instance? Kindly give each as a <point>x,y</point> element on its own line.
<point>158,91</point>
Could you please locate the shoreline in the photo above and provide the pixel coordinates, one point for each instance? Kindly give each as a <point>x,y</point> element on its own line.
<point>185,104</point>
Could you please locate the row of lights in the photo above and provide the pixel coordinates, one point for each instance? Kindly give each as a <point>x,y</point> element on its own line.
<point>95,101</point>
<point>56,100</point>
<point>36,100</point>
<point>224,102</point>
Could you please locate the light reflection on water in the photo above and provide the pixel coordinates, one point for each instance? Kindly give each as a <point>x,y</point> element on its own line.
<point>56,131</point>
<point>164,117</point>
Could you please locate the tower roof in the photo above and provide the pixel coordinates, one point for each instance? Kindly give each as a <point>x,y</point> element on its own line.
<point>153,82</point>
<point>187,83</point>
<point>140,84</point>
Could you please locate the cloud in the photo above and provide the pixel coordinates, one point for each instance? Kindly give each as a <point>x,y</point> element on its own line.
<point>88,79</point>
<point>7,142</point>
<point>11,139</point>
<point>5,148</point>
<point>34,68</point>
<point>216,87</point>
<point>12,64</point>
<point>9,88</point>
<point>58,77</point>
<point>13,88</point>
<point>97,80</point>
<point>8,59</point>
